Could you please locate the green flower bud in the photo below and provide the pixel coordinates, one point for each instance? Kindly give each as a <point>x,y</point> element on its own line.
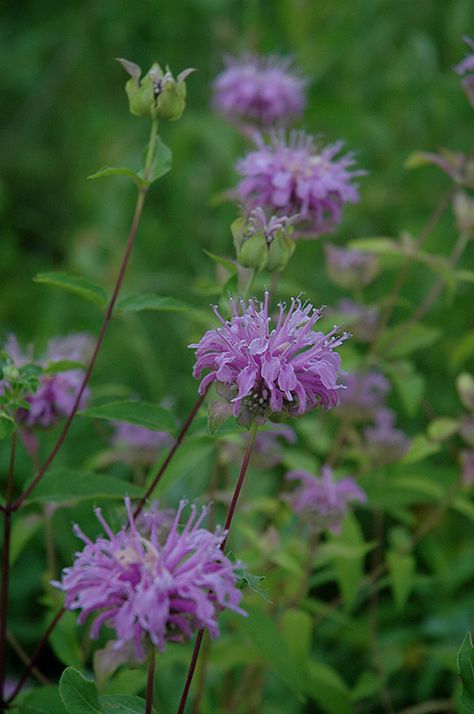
<point>158,95</point>
<point>262,244</point>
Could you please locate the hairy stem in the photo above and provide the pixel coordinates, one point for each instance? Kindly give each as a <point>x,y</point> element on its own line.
<point>142,192</point>
<point>228,522</point>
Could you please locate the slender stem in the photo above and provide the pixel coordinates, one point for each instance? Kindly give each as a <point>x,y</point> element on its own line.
<point>7,529</point>
<point>192,667</point>
<point>171,453</point>
<point>150,682</point>
<point>228,522</point>
<point>30,667</point>
<point>201,676</point>
<point>107,318</point>
<point>18,649</point>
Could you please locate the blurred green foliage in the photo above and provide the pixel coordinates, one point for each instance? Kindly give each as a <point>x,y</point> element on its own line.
<point>381,77</point>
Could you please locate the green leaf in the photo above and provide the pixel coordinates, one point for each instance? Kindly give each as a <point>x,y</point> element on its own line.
<point>163,160</point>
<point>7,426</point>
<point>421,447</point>
<point>122,704</point>
<point>65,643</point>
<point>145,414</point>
<point>401,341</point>
<point>464,507</point>
<point>24,528</point>
<point>190,458</point>
<point>402,571</point>
<point>44,700</point>
<point>118,171</point>
<point>149,301</point>
<point>83,287</point>
<point>79,695</point>
<point>253,582</point>
<point>62,485</point>
<point>466,672</point>
<point>326,687</point>
<point>262,631</point>
<point>442,428</point>
<point>409,384</point>
<point>349,570</point>
<point>63,365</point>
<point>380,246</point>
<point>225,262</point>
<point>297,630</point>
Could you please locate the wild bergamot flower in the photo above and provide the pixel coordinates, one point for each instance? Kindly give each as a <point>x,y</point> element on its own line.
<point>294,174</point>
<point>264,371</point>
<point>151,587</point>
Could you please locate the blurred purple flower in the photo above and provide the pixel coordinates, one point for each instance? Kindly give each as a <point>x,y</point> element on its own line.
<point>362,320</point>
<point>293,175</point>
<point>137,443</point>
<point>323,501</point>
<point>467,463</point>
<point>364,395</point>
<point>350,268</point>
<point>385,444</point>
<point>264,372</point>
<point>466,68</point>
<point>261,90</point>
<point>56,392</point>
<point>149,589</point>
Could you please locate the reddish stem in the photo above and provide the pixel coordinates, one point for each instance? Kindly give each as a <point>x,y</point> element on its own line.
<point>108,316</point>
<point>171,453</point>
<point>7,529</point>
<point>230,515</point>
<point>150,683</point>
<point>36,654</point>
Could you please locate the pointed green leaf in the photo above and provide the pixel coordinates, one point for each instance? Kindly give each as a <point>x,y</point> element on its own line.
<point>349,570</point>
<point>79,695</point>
<point>145,414</point>
<point>118,171</point>
<point>401,341</point>
<point>7,426</point>
<point>402,571</point>
<point>225,262</point>
<point>24,528</point>
<point>123,704</point>
<point>44,700</point>
<point>63,365</point>
<point>442,428</point>
<point>466,672</point>
<point>63,485</point>
<point>83,287</point>
<point>149,301</point>
<point>421,447</point>
<point>163,160</point>
<point>253,582</point>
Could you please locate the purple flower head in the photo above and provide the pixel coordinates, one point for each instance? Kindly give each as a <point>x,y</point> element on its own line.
<point>364,395</point>
<point>350,268</point>
<point>262,371</point>
<point>385,444</point>
<point>323,501</point>
<point>257,222</point>
<point>56,392</point>
<point>137,443</point>
<point>362,320</point>
<point>293,175</point>
<point>467,463</point>
<point>259,90</point>
<point>465,68</point>
<point>151,589</point>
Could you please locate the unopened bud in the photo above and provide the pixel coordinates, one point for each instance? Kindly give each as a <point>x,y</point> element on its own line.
<point>158,94</point>
<point>350,269</point>
<point>463,206</point>
<point>263,244</point>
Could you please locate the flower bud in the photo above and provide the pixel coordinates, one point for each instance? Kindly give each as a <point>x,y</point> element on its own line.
<point>158,94</point>
<point>263,244</point>
<point>350,269</point>
<point>464,212</point>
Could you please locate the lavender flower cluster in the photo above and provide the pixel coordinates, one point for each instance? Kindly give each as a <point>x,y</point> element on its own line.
<point>56,392</point>
<point>149,588</point>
